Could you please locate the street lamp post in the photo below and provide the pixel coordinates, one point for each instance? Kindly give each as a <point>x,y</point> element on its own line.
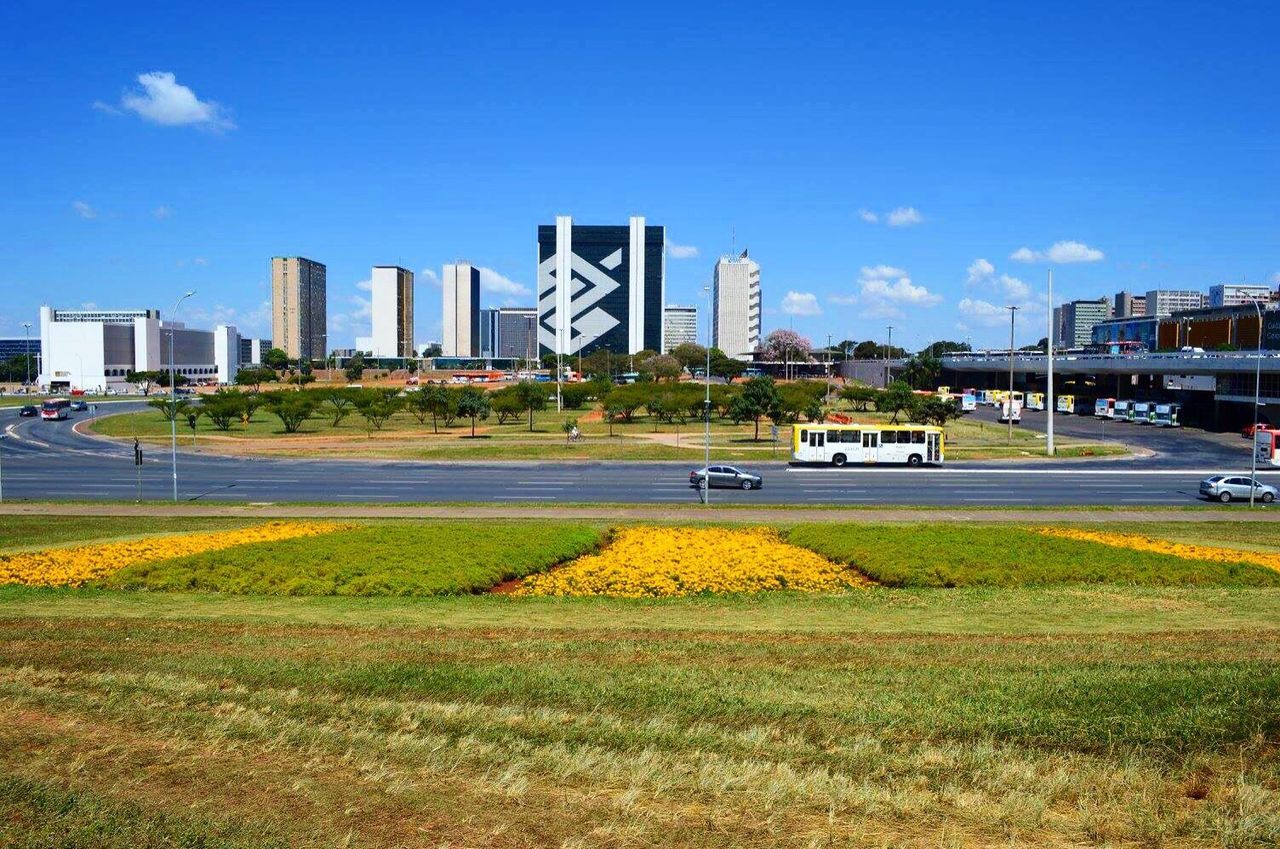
<point>1257,398</point>
<point>1013,311</point>
<point>1049,403</point>
<point>887,350</point>
<point>173,395</point>
<point>706,411</point>
<point>26,332</point>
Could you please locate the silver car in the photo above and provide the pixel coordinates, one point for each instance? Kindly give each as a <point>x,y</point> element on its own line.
<point>1226,488</point>
<point>725,476</point>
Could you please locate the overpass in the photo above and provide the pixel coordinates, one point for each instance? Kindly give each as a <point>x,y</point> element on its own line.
<point>1216,364</point>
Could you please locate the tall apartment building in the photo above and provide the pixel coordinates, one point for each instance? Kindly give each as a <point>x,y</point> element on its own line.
<point>735,306</point>
<point>1236,294</point>
<point>1074,321</point>
<point>392,310</point>
<point>679,326</point>
<point>600,287</point>
<point>1129,305</point>
<point>253,351</point>
<point>461,283</point>
<point>299,307</point>
<point>1165,302</point>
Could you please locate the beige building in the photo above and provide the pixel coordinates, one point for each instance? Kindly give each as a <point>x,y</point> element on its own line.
<point>299,313</point>
<point>735,308</point>
<point>392,311</point>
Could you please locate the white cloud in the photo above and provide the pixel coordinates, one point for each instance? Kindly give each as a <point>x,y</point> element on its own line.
<point>497,284</point>
<point>163,100</point>
<point>979,270</point>
<point>83,209</point>
<point>868,216</point>
<point>904,216</point>
<point>200,261</point>
<point>162,212</point>
<point>983,313</point>
<point>430,276</point>
<point>106,107</point>
<point>1060,252</point>
<point>365,285</point>
<point>885,291</point>
<point>801,303</point>
<point>89,305</point>
<point>681,251</point>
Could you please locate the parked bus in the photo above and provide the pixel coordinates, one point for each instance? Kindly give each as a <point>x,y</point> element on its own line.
<point>1266,446</point>
<point>1123,411</point>
<point>1105,408</point>
<point>1035,401</point>
<point>1066,404</point>
<point>1141,412</point>
<point>55,409</point>
<point>1011,411</point>
<point>968,402</point>
<point>1166,415</point>
<point>841,444</point>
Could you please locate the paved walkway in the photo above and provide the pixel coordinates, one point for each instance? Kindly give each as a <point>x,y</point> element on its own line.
<point>683,513</point>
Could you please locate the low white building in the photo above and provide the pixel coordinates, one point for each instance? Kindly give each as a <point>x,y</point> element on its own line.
<point>94,350</point>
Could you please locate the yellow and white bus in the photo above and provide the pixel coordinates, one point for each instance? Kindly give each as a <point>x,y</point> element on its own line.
<point>841,444</point>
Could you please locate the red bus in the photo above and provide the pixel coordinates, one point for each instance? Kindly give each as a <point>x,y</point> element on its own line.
<point>55,409</point>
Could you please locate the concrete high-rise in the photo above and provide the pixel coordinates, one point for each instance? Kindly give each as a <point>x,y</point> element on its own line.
<point>1074,321</point>
<point>461,310</point>
<point>735,308</point>
<point>680,326</point>
<point>1236,294</point>
<point>392,309</point>
<point>299,308</point>
<point>1129,305</point>
<point>600,287</point>
<point>1165,302</point>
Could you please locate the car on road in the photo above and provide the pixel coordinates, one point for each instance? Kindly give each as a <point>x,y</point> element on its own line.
<point>28,411</point>
<point>1248,431</point>
<point>725,477</point>
<point>79,406</point>
<point>1227,488</point>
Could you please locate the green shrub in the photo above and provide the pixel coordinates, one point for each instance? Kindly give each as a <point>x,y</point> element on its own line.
<point>935,555</point>
<point>409,559</point>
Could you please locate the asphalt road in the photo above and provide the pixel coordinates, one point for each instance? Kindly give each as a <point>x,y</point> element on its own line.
<point>48,460</point>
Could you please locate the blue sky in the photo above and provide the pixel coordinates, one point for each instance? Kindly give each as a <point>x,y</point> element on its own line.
<point>883,162</point>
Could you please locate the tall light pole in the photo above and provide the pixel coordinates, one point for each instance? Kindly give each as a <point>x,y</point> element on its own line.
<point>1013,311</point>
<point>173,395</point>
<point>887,349</point>
<point>1049,403</point>
<point>706,411</point>
<point>828,368</point>
<point>26,332</point>
<point>1257,398</point>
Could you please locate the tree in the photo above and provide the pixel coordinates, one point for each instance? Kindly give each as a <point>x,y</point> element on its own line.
<point>690,355</point>
<point>725,367</point>
<point>292,408</point>
<point>146,378</point>
<point>786,345</point>
<point>759,396</point>
<point>533,398</point>
<point>429,401</point>
<point>549,361</point>
<point>276,359</point>
<point>859,396</point>
<point>162,378</point>
<point>252,401</point>
<point>473,404</point>
<point>432,350</point>
<point>625,400</point>
<point>302,378</point>
<point>255,377</point>
<point>506,404</point>
<point>375,406</point>
<point>922,371</point>
<point>662,367</point>
<point>170,408</point>
<point>574,395</point>
<point>223,407</point>
<point>355,368</point>
<point>935,410</point>
<point>944,346</point>
<point>898,398</point>
<point>339,399</point>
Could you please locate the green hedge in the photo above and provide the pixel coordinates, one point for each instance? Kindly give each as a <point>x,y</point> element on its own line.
<point>394,559</point>
<point>937,555</point>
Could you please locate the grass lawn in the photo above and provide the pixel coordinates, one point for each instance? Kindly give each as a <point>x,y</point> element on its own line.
<point>910,718</point>
<point>643,439</point>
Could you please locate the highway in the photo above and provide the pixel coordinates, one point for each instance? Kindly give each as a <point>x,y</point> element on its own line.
<point>49,460</point>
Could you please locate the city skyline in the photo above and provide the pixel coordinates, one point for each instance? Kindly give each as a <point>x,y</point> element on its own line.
<point>930,196</point>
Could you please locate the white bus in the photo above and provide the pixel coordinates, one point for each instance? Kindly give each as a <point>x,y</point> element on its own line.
<point>1141,412</point>
<point>1035,401</point>
<point>1166,415</point>
<point>1105,408</point>
<point>841,444</point>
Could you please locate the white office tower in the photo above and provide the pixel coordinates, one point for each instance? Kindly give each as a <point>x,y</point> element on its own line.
<point>735,309</point>
<point>461,310</point>
<point>392,308</point>
<point>1237,294</point>
<point>679,327</point>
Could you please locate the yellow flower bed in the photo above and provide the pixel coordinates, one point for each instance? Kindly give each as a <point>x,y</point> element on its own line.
<point>645,562</point>
<point>1185,550</point>
<point>76,566</point>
